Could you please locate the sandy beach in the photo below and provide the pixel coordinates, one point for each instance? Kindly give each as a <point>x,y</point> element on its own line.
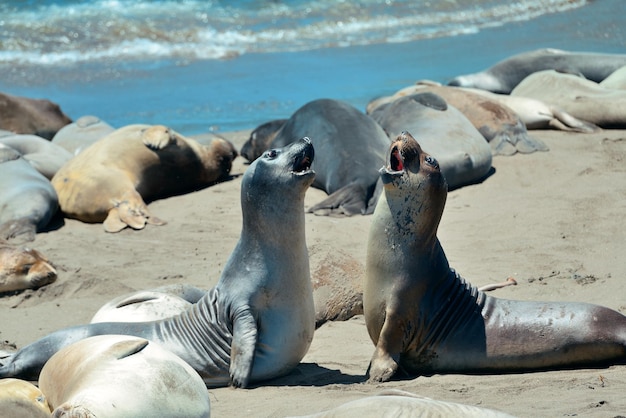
<point>552,220</point>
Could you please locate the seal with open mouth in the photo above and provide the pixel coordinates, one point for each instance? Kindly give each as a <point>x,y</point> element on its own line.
<point>424,318</point>
<point>258,321</point>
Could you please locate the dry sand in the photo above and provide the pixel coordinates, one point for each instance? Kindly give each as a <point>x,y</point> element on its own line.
<point>553,220</point>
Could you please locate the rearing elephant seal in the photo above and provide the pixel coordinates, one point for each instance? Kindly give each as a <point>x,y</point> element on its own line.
<point>258,321</point>
<point>424,318</point>
<point>109,181</point>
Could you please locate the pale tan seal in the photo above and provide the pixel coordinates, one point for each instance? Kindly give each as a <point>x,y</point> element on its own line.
<point>24,268</point>
<point>616,81</point>
<point>111,180</point>
<point>424,318</point>
<point>122,376</point>
<point>22,399</point>
<point>583,98</point>
<point>399,403</point>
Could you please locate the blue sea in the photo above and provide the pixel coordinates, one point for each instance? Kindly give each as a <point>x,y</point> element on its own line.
<point>201,66</point>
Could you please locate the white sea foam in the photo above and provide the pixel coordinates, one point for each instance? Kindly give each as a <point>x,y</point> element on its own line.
<point>75,32</point>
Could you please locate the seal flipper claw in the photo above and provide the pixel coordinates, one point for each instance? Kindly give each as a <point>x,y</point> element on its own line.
<point>113,223</point>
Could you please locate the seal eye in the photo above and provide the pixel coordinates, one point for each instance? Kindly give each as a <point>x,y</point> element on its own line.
<point>271,154</point>
<point>431,161</point>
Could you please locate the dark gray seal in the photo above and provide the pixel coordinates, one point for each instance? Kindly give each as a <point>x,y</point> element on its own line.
<point>506,74</point>
<point>27,199</point>
<point>348,147</point>
<point>258,321</point>
<point>424,318</point>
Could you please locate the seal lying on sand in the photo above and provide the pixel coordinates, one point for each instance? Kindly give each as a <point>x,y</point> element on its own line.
<point>398,403</point>
<point>122,376</point>
<point>27,198</point>
<point>501,127</point>
<point>45,156</point>
<point>424,318</point>
<point>585,99</point>
<point>258,321</point>
<point>508,73</point>
<point>340,133</point>
<point>23,268</point>
<point>78,135</point>
<point>111,179</point>
<point>21,399</point>
<point>23,115</point>
<point>464,155</point>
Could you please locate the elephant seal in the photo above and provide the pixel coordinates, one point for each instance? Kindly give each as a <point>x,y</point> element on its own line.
<point>501,127</point>
<point>258,321</point>
<point>508,73</point>
<point>22,399</point>
<point>399,403</point>
<point>149,305</point>
<point>122,376</point>
<point>24,268</point>
<point>463,154</point>
<point>78,135</point>
<point>582,98</point>
<point>27,198</point>
<point>23,115</point>
<point>616,81</point>
<point>45,156</point>
<point>340,133</point>
<point>110,180</point>
<point>537,114</point>
<point>424,318</point>
<point>261,139</point>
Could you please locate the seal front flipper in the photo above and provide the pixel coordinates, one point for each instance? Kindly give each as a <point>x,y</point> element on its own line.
<point>157,137</point>
<point>18,230</point>
<point>243,347</point>
<point>347,201</point>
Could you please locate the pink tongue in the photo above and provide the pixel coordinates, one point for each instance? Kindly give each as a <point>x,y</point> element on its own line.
<point>400,166</point>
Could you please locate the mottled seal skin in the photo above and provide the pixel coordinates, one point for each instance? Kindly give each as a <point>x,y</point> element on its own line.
<point>463,154</point>
<point>508,73</point>
<point>45,156</point>
<point>258,321</point>
<point>27,198</point>
<point>23,115</point>
<point>81,133</point>
<point>149,305</point>
<point>24,268</point>
<point>398,403</point>
<point>122,376</point>
<point>501,127</point>
<point>342,135</point>
<point>424,318</point>
<point>110,180</point>
<point>582,98</point>
<point>21,399</point>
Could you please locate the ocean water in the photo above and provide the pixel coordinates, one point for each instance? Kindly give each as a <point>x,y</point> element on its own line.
<point>228,65</point>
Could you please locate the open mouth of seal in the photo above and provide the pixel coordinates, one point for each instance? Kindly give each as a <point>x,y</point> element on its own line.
<point>304,159</point>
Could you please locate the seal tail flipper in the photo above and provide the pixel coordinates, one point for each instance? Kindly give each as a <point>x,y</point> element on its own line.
<point>352,199</point>
<point>566,122</point>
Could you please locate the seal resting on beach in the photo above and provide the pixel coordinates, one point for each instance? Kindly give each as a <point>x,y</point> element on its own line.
<point>122,376</point>
<point>399,403</point>
<point>149,305</point>
<point>463,154</point>
<point>582,98</point>
<point>22,399</point>
<point>505,75</point>
<point>111,180</point>
<point>501,127</point>
<point>341,133</point>
<point>424,318</point>
<point>23,115</point>
<point>24,268</point>
<point>81,133</point>
<point>27,199</point>
<point>258,321</point>
<point>45,156</point>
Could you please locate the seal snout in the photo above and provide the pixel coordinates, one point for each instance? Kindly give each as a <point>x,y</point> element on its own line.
<point>304,158</point>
